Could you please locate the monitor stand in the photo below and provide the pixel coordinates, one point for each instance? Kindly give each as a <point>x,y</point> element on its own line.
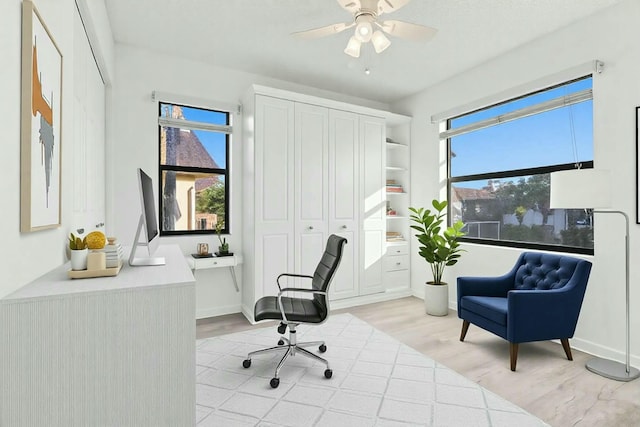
<point>142,261</point>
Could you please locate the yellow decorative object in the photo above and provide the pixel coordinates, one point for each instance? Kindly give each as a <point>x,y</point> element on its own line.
<point>96,240</point>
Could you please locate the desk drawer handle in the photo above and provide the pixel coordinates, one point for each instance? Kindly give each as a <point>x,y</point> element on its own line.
<point>311,227</point>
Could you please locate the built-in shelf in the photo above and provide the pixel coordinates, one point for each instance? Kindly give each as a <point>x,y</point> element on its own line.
<point>396,192</point>
<point>396,168</point>
<point>396,217</point>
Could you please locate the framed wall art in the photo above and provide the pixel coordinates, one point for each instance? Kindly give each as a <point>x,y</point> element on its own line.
<point>637,165</point>
<point>41,112</point>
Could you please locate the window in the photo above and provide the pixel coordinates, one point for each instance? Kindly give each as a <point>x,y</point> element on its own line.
<point>499,161</point>
<point>194,169</point>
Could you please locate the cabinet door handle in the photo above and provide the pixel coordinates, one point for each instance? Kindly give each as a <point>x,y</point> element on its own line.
<point>311,227</point>
<point>398,263</point>
<point>344,227</point>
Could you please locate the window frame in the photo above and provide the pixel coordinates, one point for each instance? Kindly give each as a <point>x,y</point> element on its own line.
<point>514,173</point>
<point>225,172</point>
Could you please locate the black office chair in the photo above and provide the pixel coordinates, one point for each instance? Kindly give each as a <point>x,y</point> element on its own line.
<point>293,311</point>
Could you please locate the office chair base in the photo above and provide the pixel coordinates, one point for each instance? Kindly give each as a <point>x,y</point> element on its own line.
<point>291,347</point>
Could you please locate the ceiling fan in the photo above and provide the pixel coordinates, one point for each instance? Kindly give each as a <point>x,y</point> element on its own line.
<point>368,28</point>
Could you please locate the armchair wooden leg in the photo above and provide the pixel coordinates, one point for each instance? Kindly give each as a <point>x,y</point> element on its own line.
<point>513,352</point>
<point>567,349</point>
<point>465,328</point>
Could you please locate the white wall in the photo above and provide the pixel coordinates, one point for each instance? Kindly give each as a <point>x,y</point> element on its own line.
<point>611,36</point>
<point>139,73</point>
<point>26,256</point>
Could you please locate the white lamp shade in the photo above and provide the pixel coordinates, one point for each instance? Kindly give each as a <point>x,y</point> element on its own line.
<point>380,41</point>
<point>581,189</point>
<point>353,47</point>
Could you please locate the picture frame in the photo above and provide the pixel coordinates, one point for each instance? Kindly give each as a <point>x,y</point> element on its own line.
<point>41,120</point>
<point>637,165</point>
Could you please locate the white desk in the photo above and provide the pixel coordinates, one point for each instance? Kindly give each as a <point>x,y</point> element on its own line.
<point>108,351</point>
<point>217,262</point>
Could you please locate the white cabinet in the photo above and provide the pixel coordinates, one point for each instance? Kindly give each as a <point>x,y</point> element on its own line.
<point>373,224</point>
<point>310,195</point>
<point>107,351</point>
<point>312,167</point>
<point>273,217</point>
<point>344,178</point>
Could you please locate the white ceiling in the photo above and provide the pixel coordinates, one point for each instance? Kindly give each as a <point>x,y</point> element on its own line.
<point>254,36</point>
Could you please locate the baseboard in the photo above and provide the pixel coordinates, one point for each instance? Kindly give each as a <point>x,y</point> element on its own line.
<point>453,305</point>
<point>203,313</point>
<point>248,313</point>
<point>603,351</point>
<point>370,299</point>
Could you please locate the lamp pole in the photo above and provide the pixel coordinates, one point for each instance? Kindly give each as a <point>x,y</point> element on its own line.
<point>610,368</point>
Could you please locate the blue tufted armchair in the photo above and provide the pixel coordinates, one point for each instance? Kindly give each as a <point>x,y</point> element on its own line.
<point>539,299</point>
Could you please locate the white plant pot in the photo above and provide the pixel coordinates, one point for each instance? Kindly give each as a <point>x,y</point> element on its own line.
<point>436,299</point>
<point>79,259</point>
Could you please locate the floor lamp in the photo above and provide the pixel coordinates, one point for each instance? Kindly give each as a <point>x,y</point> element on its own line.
<point>591,189</point>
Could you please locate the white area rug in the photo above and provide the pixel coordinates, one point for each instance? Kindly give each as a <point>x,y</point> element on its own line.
<point>377,381</point>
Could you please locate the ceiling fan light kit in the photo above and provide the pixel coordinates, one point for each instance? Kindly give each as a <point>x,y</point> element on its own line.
<point>379,41</point>
<point>363,26</point>
<point>365,17</point>
<point>353,47</point>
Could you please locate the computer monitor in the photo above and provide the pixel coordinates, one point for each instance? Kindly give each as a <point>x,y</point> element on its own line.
<point>148,222</point>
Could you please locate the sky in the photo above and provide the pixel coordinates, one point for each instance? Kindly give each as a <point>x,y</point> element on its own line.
<point>213,142</point>
<point>540,140</point>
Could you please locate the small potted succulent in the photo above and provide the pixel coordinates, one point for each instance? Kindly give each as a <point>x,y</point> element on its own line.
<point>223,249</point>
<point>79,252</point>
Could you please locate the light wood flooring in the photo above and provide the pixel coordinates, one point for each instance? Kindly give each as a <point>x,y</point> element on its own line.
<point>546,384</point>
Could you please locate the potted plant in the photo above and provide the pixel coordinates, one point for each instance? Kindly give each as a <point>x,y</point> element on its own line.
<point>440,248</point>
<point>79,252</point>
<point>223,249</point>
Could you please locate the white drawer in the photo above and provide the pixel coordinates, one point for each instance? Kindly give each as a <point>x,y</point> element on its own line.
<point>398,262</point>
<point>213,262</point>
<point>396,279</point>
<point>397,249</point>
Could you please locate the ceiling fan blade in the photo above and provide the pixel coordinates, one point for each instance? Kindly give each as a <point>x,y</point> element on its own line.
<point>407,30</point>
<point>351,6</point>
<point>388,6</point>
<point>323,31</point>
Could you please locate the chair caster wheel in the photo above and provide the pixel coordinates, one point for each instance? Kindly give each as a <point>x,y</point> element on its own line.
<point>322,348</point>
<point>280,342</point>
<point>275,382</point>
<point>282,328</point>
<point>246,363</point>
<point>328,373</point>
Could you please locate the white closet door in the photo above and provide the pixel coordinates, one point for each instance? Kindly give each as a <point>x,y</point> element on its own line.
<point>343,198</point>
<point>88,167</point>
<point>311,185</point>
<point>373,199</point>
<point>274,222</point>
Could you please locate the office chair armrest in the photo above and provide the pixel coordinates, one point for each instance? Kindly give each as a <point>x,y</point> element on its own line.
<point>285,290</point>
<point>304,276</point>
<point>313,291</point>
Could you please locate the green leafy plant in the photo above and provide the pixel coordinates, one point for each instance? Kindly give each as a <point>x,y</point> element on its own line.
<point>224,246</point>
<point>76,243</point>
<point>438,244</point>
